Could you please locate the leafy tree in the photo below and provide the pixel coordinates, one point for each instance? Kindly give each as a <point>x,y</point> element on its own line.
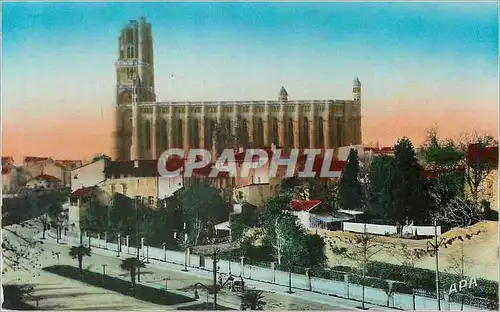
<point>78,252</point>
<point>459,263</point>
<point>349,196</point>
<point>275,207</point>
<point>365,248</point>
<point>478,167</point>
<point>327,191</point>
<point>252,299</point>
<point>460,212</point>
<point>132,265</point>
<point>381,177</point>
<point>240,222</point>
<point>202,205</point>
<point>291,245</point>
<point>409,194</point>
<point>410,257</point>
<point>447,158</point>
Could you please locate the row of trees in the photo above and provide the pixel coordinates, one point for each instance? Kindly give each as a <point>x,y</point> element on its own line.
<point>394,189</point>
<point>193,210</point>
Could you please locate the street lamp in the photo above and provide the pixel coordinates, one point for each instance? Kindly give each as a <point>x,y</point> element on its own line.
<point>215,288</point>
<point>136,204</point>
<point>434,246</point>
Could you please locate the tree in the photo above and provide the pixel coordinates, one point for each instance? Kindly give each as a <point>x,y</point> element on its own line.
<point>410,257</point>
<point>381,190</point>
<point>446,158</point>
<point>458,263</point>
<point>327,191</point>
<point>460,212</point>
<point>201,205</point>
<point>349,186</point>
<point>364,248</point>
<point>239,223</point>
<point>409,194</point>
<point>131,265</point>
<point>478,164</point>
<point>78,252</point>
<point>252,299</point>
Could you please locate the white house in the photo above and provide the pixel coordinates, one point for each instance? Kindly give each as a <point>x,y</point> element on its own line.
<point>89,174</point>
<point>44,181</point>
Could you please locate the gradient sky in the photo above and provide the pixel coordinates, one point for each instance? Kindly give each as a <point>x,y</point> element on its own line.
<point>421,64</point>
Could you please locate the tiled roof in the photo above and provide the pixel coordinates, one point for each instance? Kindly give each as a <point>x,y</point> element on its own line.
<point>34,158</point>
<point>487,154</point>
<point>145,168</point>
<point>84,191</point>
<point>46,177</point>
<point>304,205</point>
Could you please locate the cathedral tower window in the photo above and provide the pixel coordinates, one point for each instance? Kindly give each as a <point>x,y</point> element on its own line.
<point>148,135</point>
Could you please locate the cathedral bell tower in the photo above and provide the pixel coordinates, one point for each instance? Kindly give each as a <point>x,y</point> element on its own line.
<point>356,90</point>
<point>135,60</point>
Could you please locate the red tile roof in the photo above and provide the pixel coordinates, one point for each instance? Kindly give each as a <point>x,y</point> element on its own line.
<point>84,191</point>
<point>304,205</point>
<point>487,154</point>
<point>34,158</point>
<point>46,177</point>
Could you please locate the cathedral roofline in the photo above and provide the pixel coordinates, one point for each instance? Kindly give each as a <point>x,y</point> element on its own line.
<point>271,102</point>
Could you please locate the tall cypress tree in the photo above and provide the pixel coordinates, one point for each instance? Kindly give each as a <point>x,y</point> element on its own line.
<point>350,196</point>
<point>409,188</point>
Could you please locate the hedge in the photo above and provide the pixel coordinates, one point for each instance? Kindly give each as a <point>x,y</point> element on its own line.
<point>149,294</point>
<point>405,280</point>
<point>425,279</point>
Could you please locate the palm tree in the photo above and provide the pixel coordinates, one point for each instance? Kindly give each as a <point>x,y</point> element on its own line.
<point>252,300</point>
<point>132,264</point>
<point>78,252</point>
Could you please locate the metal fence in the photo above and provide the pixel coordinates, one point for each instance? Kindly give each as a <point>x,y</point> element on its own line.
<point>342,287</point>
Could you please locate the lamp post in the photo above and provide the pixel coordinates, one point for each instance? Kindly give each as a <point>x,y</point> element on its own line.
<point>103,272</point>
<point>434,246</point>
<point>137,199</point>
<point>215,288</point>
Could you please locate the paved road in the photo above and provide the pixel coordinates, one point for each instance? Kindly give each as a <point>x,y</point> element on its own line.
<point>56,292</point>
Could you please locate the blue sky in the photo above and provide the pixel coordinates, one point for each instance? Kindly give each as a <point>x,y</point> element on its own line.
<point>407,55</point>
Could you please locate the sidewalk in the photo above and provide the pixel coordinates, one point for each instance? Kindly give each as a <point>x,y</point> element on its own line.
<point>325,291</point>
<point>341,303</point>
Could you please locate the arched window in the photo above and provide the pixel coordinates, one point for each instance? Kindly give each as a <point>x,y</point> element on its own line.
<point>290,132</point>
<point>194,132</point>
<point>209,130</point>
<point>244,126</point>
<point>180,134</point>
<point>163,136</point>
<point>320,132</point>
<point>339,132</point>
<point>148,135</point>
<point>305,135</point>
<point>260,132</point>
<point>276,132</point>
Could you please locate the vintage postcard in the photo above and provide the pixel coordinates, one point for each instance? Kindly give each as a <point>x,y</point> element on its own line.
<point>250,155</point>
